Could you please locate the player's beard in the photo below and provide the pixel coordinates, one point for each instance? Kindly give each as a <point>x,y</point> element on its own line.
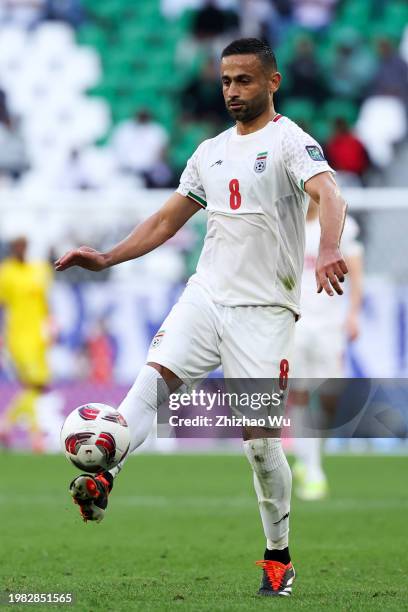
<point>251,109</point>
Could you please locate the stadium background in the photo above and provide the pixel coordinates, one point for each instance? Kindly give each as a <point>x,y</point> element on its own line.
<point>103,102</point>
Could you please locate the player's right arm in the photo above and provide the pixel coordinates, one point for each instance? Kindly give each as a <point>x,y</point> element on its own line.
<point>146,237</point>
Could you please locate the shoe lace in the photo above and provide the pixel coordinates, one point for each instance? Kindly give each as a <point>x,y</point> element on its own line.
<point>274,570</point>
<point>104,481</point>
<point>92,488</point>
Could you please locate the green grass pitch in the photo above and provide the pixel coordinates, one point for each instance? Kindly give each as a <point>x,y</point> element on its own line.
<point>183,532</point>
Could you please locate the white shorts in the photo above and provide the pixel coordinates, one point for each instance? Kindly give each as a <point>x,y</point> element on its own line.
<point>318,354</point>
<point>199,335</point>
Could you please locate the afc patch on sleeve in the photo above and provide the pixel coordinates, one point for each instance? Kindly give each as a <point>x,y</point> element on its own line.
<point>315,153</point>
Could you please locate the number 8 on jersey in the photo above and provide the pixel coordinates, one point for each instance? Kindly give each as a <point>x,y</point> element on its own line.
<point>235,196</point>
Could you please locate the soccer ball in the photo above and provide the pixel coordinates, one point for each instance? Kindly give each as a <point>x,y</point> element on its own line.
<point>95,437</point>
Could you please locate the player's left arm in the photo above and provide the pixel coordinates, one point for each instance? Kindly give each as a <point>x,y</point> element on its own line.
<point>331,266</point>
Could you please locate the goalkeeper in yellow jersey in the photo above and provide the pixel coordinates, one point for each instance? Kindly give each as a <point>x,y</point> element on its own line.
<point>24,290</point>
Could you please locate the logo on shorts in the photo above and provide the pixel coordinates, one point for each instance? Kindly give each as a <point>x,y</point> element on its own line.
<point>158,338</point>
<point>260,162</point>
<point>315,153</point>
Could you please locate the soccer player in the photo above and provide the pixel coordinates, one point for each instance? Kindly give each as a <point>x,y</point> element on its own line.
<point>24,287</point>
<point>320,343</point>
<point>239,308</point>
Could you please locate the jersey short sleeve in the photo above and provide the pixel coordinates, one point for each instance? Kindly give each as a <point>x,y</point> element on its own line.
<point>349,244</point>
<point>190,181</point>
<point>302,155</point>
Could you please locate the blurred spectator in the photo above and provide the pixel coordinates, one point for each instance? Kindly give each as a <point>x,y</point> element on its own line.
<point>73,174</point>
<point>313,14</point>
<point>160,176</point>
<point>13,158</point>
<point>391,77</point>
<point>213,25</point>
<point>90,168</point>
<point>346,153</point>
<point>3,105</point>
<point>305,74</point>
<point>352,67</point>
<point>24,288</point>
<point>24,13</point>
<point>139,144</point>
<point>64,10</point>
<point>382,124</point>
<point>211,21</point>
<point>280,21</point>
<point>404,45</point>
<point>386,106</point>
<point>202,97</point>
<point>174,8</point>
<point>101,354</point>
<point>255,14</point>
<point>267,19</point>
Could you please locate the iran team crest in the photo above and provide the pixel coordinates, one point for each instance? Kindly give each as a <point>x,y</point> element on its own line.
<point>260,162</point>
<point>158,338</point>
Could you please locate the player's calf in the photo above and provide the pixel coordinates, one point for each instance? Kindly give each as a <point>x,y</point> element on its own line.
<point>272,480</point>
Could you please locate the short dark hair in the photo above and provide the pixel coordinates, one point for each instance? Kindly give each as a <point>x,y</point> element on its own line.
<point>252,46</point>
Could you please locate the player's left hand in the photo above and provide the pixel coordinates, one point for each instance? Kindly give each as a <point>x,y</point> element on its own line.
<point>330,270</point>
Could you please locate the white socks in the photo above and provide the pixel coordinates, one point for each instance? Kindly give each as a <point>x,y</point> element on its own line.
<point>140,407</point>
<point>273,484</point>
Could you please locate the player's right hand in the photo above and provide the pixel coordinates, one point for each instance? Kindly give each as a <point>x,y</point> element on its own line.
<point>84,257</point>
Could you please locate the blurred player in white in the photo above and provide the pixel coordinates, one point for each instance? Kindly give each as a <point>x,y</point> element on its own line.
<point>320,342</point>
<point>239,308</point>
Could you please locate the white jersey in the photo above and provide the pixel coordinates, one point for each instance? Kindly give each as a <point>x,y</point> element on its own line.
<point>319,308</point>
<point>252,187</point>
